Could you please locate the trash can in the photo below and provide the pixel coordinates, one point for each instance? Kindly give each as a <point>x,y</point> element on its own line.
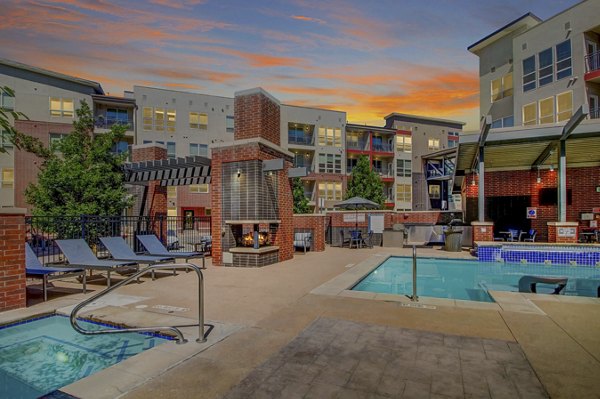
<point>453,240</point>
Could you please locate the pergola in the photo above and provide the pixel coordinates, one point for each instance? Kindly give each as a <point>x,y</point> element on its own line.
<point>574,144</point>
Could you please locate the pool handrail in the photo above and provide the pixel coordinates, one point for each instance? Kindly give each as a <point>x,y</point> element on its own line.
<point>180,338</point>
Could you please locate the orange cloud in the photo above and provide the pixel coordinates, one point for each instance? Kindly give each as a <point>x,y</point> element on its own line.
<point>261,60</point>
<point>308,19</point>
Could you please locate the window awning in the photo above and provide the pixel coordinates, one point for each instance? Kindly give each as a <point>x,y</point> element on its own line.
<point>169,172</point>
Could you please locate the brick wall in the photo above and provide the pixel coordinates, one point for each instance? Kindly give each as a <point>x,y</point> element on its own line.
<point>317,224</point>
<point>156,201</point>
<point>26,164</point>
<point>581,181</point>
<point>391,218</point>
<point>12,260</point>
<point>483,231</point>
<point>256,115</point>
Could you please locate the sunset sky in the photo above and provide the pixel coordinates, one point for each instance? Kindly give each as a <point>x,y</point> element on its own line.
<point>368,58</point>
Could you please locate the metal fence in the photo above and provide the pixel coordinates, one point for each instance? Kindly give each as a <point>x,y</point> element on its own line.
<point>176,233</point>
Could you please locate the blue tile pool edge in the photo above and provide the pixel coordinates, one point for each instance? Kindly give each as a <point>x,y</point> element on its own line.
<point>88,320</point>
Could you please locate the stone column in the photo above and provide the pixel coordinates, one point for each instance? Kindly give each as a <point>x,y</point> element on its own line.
<point>12,259</point>
<point>483,231</point>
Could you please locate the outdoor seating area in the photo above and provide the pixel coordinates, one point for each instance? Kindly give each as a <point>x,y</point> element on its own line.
<point>516,235</point>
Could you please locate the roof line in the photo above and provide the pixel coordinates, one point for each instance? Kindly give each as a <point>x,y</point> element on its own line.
<point>425,118</point>
<point>529,14</point>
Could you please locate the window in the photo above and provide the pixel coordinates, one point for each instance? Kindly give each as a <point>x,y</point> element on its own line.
<point>4,141</point>
<point>563,60</point>
<point>547,110</point>
<point>329,136</point>
<point>546,71</point>
<point>171,153</point>
<point>403,192</point>
<point>7,101</point>
<point>199,188</point>
<point>452,143</point>
<point>171,192</point>
<point>502,87</point>
<point>230,124</point>
<point>403,167</point>
<point>433,144</point>
<point>404,143</point>
<point>61,107</point>
<point>171,120</point>
<point>530,114</point>
<point>434,191</point>
<point>147,141</point>
<point>508,121</point>
<point>351,164</point>
<point>159,119</point>
<point>331,191</point>
<point>198,121</point>
<point>8,178</point>
<point>330,163</point>
<point>147,118</point>
<point>55,138</point>
<point>564,106</point>
<point>549,196</point>
<point>199,149</point>
<point>496,124</point>
<point>529,73</point>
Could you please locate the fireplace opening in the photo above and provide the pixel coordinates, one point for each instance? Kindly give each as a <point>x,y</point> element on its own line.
<point>255,237</point>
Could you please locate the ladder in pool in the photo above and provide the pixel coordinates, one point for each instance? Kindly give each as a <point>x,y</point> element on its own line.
<point>202,335</point>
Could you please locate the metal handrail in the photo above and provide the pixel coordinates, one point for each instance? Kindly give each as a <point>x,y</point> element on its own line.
<point>414,297</point>
<point>180,339</point>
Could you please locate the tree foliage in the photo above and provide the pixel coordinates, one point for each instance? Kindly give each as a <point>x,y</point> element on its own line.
<point>80,175</point>
<point>365,183</point>
<point>300,200</point>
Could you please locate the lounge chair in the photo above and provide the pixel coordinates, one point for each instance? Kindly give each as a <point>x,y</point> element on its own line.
<point>302,240</point>
<point>155,248</point>
<point>34,268</point>
<point>529,283</point>
<point>345,241</point>
<point>80,255</point>
<point>120,250</point>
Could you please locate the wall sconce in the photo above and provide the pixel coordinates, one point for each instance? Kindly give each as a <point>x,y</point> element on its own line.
<point>473,180</point>
<point>539,179</point>
<point>239,172</point>
<point>551,168</point>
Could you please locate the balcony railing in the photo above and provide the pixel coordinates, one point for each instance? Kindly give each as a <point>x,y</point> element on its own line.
<point>304,165</point>
<point>107,123</point>
<point>300,139</point>
<point>592,61</point>
<point>384,172</point>
<point>361,146</point>
<point>595,113</point>
<point>383,148</point>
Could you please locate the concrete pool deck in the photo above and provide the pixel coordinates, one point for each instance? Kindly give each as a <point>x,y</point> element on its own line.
<point>260,311</point>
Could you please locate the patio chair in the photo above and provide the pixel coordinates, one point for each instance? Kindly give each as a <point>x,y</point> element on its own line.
<point>514,234</point>
<point>369,240</point>
<point>120,250</point>
<point>35,269</point>
<point>345,241</point>
<point>356,238</point>
<point>529,283</point>
<point>156,248</point>
<point>302,240</point>
<point>528,236</point>
<point>78,254</point>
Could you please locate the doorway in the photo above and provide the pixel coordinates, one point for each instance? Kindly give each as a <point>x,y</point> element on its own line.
<point>509,212</point>
<point>188,219</point>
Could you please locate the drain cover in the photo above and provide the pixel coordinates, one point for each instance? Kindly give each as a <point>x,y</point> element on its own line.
<point>170,309</point>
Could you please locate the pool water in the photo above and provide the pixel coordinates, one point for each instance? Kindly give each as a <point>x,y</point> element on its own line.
<point>471,280</point>
<point>40,356</point>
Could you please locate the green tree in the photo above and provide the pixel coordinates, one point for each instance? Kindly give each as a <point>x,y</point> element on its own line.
<point>300,200</point>
<point>365,183</point>
<point>81,175</point>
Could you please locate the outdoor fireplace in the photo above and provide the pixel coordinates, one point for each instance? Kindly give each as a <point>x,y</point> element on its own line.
<point>255,239</point>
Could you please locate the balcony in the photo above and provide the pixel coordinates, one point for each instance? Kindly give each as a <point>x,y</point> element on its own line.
<point>300,139</point>
<point>595,113</point>
<point>592,67</point>
<point>107,123</point>
<point>383,148</point>
<point>357,146</point>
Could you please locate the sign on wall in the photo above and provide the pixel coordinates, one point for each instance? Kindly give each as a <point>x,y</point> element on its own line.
<point>566,232</point>
<point>531,213</point>
<point>354,217</point>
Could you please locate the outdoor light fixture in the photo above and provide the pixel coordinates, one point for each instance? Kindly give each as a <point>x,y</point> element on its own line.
<point>551,168</point>
<point>239,172</point>
<point>539,179</point>
<point>473,180</point>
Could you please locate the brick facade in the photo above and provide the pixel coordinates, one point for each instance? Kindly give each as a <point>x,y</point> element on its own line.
<point>483,231</point>
<point>12,259</point>
<point>256,114</point>
<point>27,165</point>
<point>391,218</point>
<point>581,181</point>
<point>555,236</point>
<point>156,201</point>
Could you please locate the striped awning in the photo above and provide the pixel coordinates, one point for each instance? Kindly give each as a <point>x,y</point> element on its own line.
<point>169,172</point>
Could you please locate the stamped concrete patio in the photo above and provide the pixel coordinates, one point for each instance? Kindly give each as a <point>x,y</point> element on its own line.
<point>274,338</point>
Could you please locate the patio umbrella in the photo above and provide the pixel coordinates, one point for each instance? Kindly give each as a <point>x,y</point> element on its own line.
<point>357,203</point>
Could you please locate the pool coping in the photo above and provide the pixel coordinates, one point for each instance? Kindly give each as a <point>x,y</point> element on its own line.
<point>341,286</point>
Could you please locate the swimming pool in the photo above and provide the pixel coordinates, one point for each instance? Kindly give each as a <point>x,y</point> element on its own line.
<point>471,280</point>
<point>41,355</point>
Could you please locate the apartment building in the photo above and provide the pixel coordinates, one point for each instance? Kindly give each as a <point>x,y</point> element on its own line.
<point>424,157</point>
<point>535,72</point>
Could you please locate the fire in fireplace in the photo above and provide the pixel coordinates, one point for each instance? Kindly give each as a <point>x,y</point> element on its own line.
<point>248,239</point>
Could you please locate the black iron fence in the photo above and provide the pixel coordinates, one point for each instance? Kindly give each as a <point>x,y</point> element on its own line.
<point>176,233</point>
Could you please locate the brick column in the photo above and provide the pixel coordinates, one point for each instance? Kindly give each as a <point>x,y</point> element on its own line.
<point>156,201</point>
<point>563,232</point>
<point>316,223</point>
<point>483,231</point>
<point>12,259</point>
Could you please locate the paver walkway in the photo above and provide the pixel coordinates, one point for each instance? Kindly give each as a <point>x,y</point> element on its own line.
<point>344,359</point>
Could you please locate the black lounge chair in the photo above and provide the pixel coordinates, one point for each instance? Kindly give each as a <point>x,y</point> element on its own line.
<point>529,283</point>
<point>155,248</point>
<point>80,255</point>
<point>35,268</point>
